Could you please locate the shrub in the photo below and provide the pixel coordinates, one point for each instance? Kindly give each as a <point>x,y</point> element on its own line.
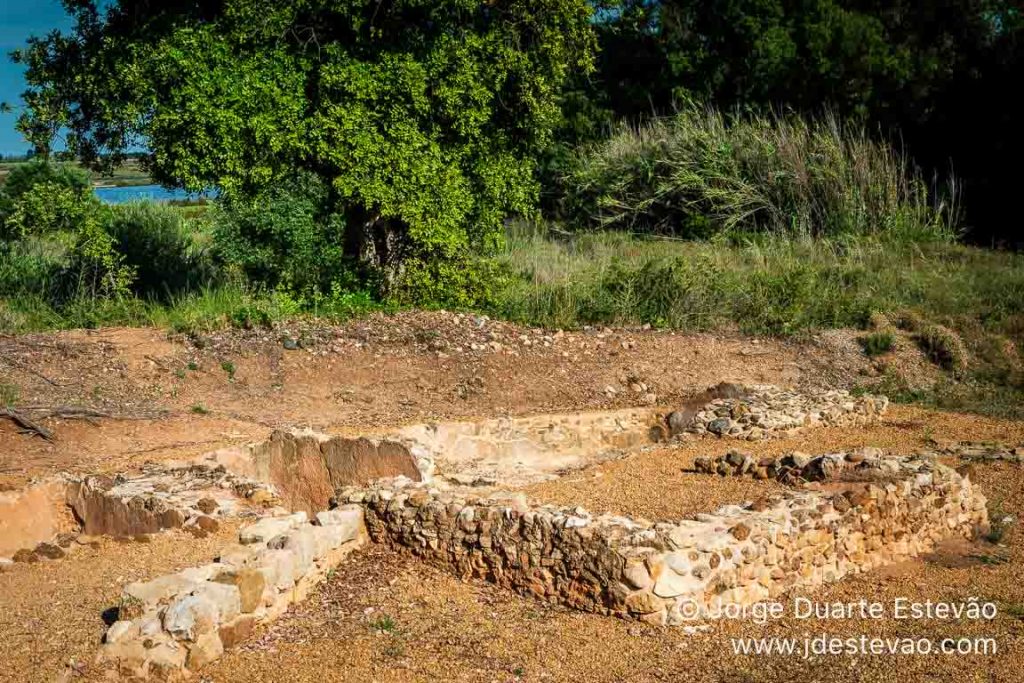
<point>701,173</point>
<point>942,346</point>
<point>39,198</point>
<point>158,244</point>
<point>284,236</point>
<point>877,343</point>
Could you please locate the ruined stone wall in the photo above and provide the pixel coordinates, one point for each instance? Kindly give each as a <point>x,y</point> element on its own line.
<point>662,572</point>
<point>176,623</point>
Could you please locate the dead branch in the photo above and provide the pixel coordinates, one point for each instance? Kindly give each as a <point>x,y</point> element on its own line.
<point>26,423</point>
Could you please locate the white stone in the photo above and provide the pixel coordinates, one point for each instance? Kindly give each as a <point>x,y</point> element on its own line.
<point>671,584</point>
<point>265,529</point>
<point>190,616</point>
<point>204,573</point>
<point>302,542</point>
<point>160,589</point>
<point>349,519</point>
<point>224,596</point>
<point>117,631</point>
<point>278,567</point>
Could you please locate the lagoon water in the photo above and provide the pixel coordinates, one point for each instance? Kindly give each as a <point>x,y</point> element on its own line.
<point>153,193</point>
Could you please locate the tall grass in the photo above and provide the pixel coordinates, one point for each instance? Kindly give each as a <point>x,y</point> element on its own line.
<point>702,173</point>
<point>763,284</point>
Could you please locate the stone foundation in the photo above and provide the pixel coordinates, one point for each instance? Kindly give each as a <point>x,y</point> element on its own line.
<point>171,626</point>
<point>658,571</point>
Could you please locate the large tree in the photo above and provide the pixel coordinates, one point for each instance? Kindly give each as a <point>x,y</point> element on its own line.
<point>422,119</point>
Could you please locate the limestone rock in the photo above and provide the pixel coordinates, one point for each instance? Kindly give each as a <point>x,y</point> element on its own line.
<point>250,584</point>
<point>207,648</point>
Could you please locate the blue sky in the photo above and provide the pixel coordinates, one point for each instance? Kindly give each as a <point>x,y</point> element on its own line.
<point>20,19</point>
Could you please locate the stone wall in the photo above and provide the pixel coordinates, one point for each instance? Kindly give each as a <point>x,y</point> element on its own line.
<point>764,411</point>
<point>657,571</point>
<point>175,624</point>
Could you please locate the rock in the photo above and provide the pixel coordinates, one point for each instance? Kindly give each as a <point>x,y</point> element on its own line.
<point>740,532</point>
<point>138,597</point>
<point>670,584</point>
<point>341,524</point>
<point>302,543</point>
<point>678,421</point>
<point>25,555</point>
<point>190,616</point>
<point>290,344</point>
<point>250,584</point>
<point>238,555</point>
<point>237,631</point>
<point>278,568</point>
<point>642,602</point>
<point>225,597</point>
<point>800,460</point>
<point>207,505</point>
<point>262,497</point>
<point>720,425</point>
<point>734,458</point>
<point>264,530</point>
<point>207,524</point>
<point>117,631</point>
<point>50,551</point>
<point>64,540</point>
<point>207,648</point>
<point>636,574</point>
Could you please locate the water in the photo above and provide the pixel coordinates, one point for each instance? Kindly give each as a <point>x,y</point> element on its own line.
<point>153,193</point>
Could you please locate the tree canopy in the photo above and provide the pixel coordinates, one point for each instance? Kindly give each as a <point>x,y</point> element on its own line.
<point>421,119</point>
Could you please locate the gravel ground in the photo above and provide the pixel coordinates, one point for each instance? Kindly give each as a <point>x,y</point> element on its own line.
<point>52,612</point>
<point>659,484</point>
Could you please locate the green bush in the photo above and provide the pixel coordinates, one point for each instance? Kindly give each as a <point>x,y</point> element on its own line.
<point>159,245</point>
<point>878,343</point>
<point>286,236</point>
<point>701,173</point>
<point>40,198</point>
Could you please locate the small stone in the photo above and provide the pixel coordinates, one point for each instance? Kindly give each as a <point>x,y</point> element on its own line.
<point>677,422</point>
<point>740,532</point>
<point>207,505</point>
<point>142,538</point>
<point>64,540</point>
<point>50,551</point>
<point>237,631</point>
<point>207,524</point>
<point>117,631</point>
<point>25,555</point>
<point>290,344</point>
<point>720,425</point>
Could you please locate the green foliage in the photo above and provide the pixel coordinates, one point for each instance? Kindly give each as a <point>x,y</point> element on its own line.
<point>933,75</point>
<point>421,121</point>
<point>38,198</point>
<point>942,346</point>
<point>160,247</point>
<point>878,343</point>
<point>285,236</point>
<point>701,173</point>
